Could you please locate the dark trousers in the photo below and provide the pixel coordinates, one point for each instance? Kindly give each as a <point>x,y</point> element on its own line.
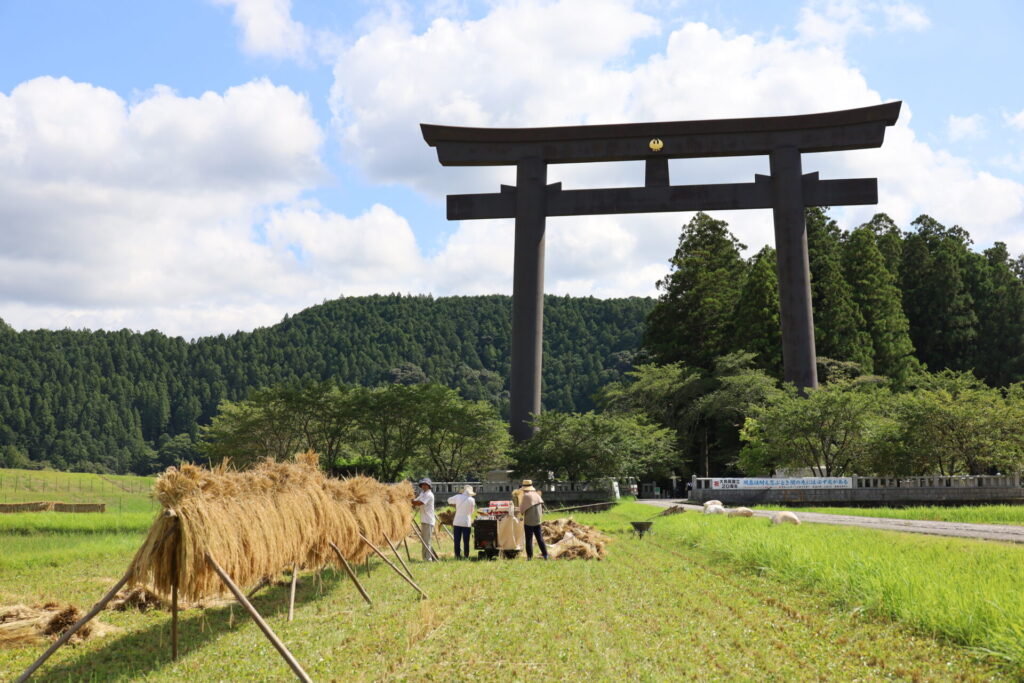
<point>532,531</point>
<point>461,532</point>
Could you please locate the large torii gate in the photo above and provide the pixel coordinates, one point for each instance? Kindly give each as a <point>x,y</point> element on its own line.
<point>786,192</point>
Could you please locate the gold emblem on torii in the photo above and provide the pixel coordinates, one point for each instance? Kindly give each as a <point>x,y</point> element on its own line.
<point>656,144</point>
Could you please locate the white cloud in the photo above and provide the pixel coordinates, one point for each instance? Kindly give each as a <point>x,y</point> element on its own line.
<point>965,127</point>
<point>905,16</point>
<point>268,28</point>
<point>143,214</point>
<point>465,73</point>
<point>1016,120</point>
<point>832,22</point>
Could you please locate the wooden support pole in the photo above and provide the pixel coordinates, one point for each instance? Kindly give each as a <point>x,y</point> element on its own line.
<point>366,565</point>
<point>174,594</point>
<point>391,564</point>
<point>405,542</point>
<point>174,620</point>
<point>399,556</point>
<point>74,629</point>
<point>274,640</point>
<point>448,531</point>
<point>425,545</point>
<point>352,574</point>
<point>259,586</point>
<point>291,597</point>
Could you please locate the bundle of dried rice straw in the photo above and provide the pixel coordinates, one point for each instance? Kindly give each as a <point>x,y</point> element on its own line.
<point>568,539</point>
<point>446,516</point>
<point>23,625</point>
<point>260,522</point>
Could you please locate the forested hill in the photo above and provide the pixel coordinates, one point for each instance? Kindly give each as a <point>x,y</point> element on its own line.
<point>109,400</point>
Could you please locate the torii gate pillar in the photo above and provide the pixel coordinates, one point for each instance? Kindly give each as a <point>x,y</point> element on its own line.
<point>527,296</point>
<point>799,360</point>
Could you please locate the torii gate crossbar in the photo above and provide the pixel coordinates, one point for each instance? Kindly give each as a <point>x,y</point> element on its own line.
<point>786,192</point>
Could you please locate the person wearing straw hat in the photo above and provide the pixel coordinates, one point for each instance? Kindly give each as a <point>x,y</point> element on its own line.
<point>465,504</point>
<point>531,508</point>
<point>425,502</point>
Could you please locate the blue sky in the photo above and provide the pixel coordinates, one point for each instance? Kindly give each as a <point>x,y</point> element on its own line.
<point>202,166</point>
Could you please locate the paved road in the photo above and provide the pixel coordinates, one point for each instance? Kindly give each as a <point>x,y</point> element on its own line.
<point>992,532</point>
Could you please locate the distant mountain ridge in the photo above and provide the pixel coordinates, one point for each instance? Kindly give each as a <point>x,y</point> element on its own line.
<point>107,401</point>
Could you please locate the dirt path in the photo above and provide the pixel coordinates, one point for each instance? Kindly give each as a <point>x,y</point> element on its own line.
<point>990,532</point>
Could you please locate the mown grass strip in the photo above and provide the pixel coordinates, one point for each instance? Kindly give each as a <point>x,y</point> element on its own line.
<point>963,590</point>
<point>975,514</point>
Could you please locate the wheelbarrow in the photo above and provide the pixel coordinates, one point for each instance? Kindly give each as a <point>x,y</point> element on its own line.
<point>641,528</point>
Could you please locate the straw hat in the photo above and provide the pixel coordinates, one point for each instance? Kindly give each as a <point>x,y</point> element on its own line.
<point>468,490</point>
<point>528,485</point>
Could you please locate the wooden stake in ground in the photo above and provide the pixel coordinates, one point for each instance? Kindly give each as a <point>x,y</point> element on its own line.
<point>275,641</point>
<point>291,598</point>
<point>390,564</point>
<point>352,575</point>
<point>405,542</point>
<point>399,556</point>
<point>448,531</point>
<point>74,629</point>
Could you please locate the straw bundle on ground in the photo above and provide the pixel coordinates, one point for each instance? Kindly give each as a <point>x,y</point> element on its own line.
<point>446,516</point>
<point>568,539</point>
<point>674,510</point>
<point>23,625</point>
<point>259,523</point>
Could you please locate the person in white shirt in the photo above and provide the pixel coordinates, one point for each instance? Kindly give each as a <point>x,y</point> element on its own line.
<point>464,504</point>
<point>425,502</point>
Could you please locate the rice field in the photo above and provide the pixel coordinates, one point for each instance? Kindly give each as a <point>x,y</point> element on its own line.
<point>973,514</point>
<point>963,590</point>
<point>678,604</point>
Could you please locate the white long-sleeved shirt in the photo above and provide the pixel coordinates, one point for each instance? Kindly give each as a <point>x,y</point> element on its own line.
<point>464,506</point>
<point>427,509</point>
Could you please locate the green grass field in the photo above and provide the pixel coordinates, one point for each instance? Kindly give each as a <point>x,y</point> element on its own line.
<point>704,598</point>
<point>974,514</point>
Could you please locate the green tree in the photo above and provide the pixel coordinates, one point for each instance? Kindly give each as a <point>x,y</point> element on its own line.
<point>589,446</point>
<point>12,456</point>
<point>876,295</point>
<point>248,431</point>
<point>704,408</point>
<point>840,331</point>
<point>998,295</point>
<point>176,450</point>
<point>938,305</point>
<point>953,424</point>
<point>692,318</point>
<point>461,437</point>
<point>756,319</point>
<point>828,431</point>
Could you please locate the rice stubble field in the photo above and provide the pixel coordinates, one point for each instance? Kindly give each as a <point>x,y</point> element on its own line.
<point>675,604</point>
